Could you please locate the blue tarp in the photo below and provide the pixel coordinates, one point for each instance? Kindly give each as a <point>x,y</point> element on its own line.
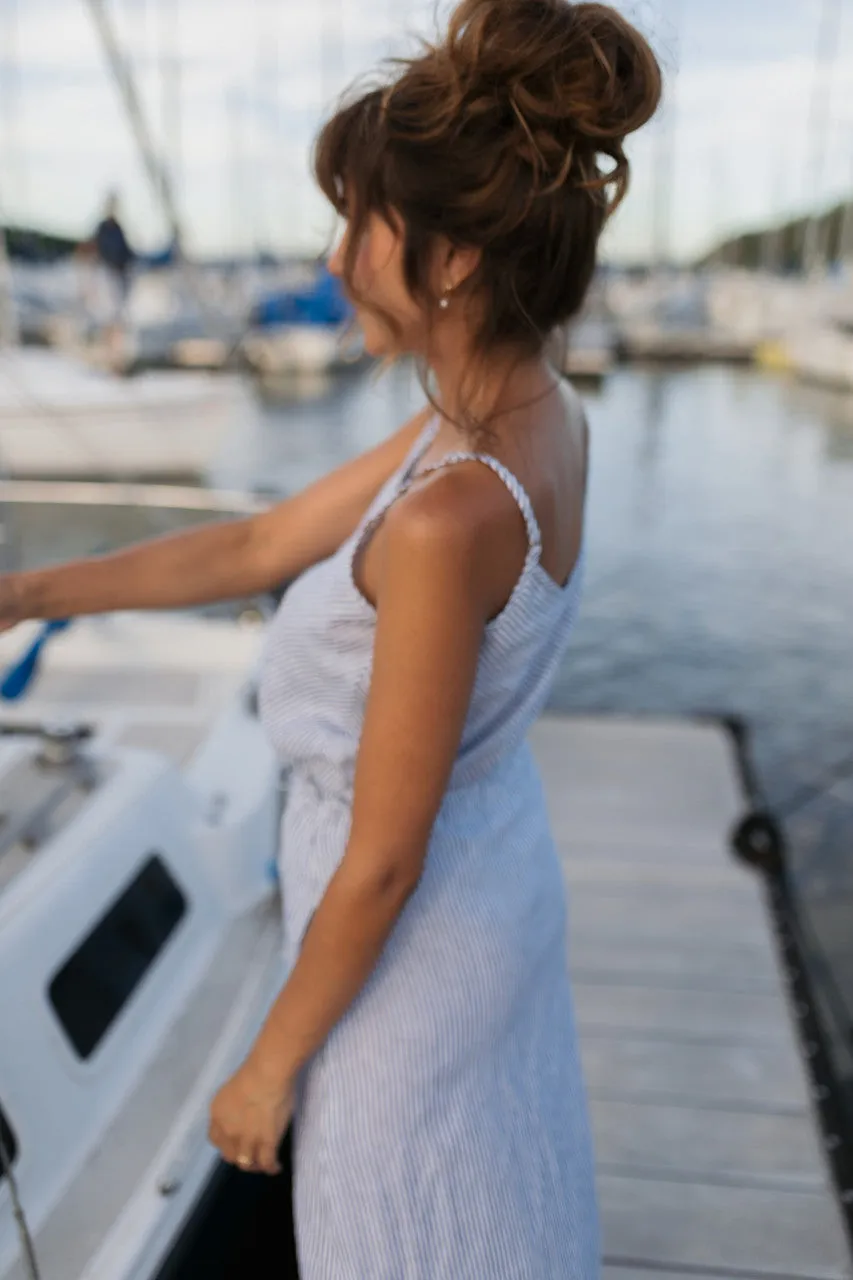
<point>164,258</point>
<point>323,303</point>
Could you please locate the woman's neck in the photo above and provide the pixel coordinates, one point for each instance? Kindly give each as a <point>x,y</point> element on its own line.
<point>478,392</point>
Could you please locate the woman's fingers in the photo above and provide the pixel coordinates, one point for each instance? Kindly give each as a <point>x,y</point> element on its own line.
<point>247,1122</point>
<point>226,1144</point>
<point>253,1153</point>
<point>266,1158</point>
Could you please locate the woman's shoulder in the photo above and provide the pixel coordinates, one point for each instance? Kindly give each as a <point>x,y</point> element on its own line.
<point>460,521</point>
<point>460,503</point>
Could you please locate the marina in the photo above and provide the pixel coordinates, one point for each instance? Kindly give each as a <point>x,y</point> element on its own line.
<point>695,751</point>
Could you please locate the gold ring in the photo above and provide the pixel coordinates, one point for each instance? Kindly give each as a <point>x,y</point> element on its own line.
<point>245,1162</point>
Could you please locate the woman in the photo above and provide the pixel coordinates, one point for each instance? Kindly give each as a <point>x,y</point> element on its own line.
<point>424,1042</point>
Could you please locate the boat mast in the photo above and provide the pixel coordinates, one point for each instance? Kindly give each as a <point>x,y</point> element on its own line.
<point>772,249</point>
<point>292,178</point>
<point>331,51</point>
<point>13,165</point>
<point>845,250</point>
<point>826,54</point>
<point>171,117</point>
<point>264,40</point>
<point>235,167</point>
<point>845,238</point>
<point>156,170</point>
<point>8,316</point>
<point>332,62</point>
<point>663,190</point>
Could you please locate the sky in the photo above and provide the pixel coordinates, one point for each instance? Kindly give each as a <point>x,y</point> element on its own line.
<point>234,90</point>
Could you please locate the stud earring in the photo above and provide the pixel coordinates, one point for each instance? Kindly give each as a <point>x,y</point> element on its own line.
<point>444,300</point>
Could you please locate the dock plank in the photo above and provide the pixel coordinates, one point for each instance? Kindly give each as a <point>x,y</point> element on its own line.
<point>737,1076</point>
<point>714,1015</point>
<point>710,1160</point>
<point>678,1222</point>
<point>635,1273</point>
<point>735,1145</point>
<point>697,916</point>
<point>737,967</point>
<point>670,779</point>
<point>705,958</point>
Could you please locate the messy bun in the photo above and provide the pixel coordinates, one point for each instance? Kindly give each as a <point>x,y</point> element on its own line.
<point>508,136</point>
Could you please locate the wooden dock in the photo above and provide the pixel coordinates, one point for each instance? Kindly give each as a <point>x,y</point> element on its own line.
<point>709,1156</point>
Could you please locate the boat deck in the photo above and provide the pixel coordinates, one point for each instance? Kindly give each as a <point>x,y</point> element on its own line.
<point>709,1155</point>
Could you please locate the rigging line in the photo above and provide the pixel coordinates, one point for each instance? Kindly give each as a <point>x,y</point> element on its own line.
<point>11,84</point>
<point>663,188</point>
<point>819,121</point>
<point>27,1247</point>
<point>841,771</point>
<point>155,169</point>
<point>171,98</point>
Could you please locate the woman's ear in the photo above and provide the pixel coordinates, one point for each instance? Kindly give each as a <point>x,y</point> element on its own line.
<point>454,265</point>
<point>460,265</point>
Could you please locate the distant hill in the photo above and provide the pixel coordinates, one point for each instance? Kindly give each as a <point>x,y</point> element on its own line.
<point>28,244</point>
<point>25,244</point>
<point>782,245</point>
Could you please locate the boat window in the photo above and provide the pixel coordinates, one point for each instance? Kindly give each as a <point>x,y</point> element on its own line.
<point>96,982</point>
<point>10,1143</point>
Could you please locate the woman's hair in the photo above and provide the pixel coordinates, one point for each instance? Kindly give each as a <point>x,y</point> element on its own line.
<point>506,137</point>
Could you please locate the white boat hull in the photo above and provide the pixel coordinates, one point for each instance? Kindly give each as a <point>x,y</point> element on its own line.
<point>299,351</point>
<point>113,1156</point>
<point>823,356</point>
<point>61,420</point>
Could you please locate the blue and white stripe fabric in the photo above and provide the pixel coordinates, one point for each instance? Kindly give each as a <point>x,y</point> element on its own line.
<point>441,1133</point>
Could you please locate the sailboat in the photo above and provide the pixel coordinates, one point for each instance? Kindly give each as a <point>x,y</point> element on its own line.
<point>302,331</point>
<point>60,419</point>
<point>139,920</point>
<point>140,937</point>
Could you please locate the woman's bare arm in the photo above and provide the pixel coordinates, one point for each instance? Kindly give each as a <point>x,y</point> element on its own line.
<point>219,561</point>
<point>432,605</point>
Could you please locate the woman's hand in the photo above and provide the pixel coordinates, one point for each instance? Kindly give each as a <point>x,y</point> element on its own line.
<point>248,1119</point>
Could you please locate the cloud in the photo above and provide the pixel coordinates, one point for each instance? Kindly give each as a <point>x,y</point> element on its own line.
<point>248,81</point>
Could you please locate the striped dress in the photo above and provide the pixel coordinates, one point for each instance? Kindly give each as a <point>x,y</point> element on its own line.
<point>441,1132</point>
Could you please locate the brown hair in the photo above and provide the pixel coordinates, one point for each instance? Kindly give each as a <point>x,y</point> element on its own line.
<point>494,139</point>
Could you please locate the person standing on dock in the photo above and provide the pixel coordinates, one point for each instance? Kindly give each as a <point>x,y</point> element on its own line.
<point>424,1042</point>
<point>114,257</point>
<point>112,248</point>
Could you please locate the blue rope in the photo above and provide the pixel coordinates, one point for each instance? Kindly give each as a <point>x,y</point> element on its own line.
<point>18,677</point>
